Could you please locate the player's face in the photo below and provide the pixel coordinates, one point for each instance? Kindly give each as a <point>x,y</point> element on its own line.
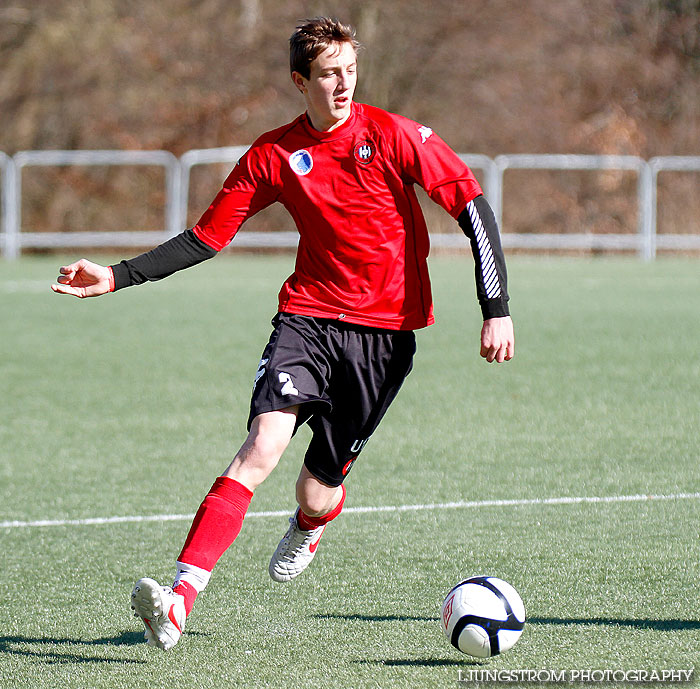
<point>330,87</point>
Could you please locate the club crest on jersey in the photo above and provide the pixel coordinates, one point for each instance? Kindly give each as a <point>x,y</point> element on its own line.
<point>301,162</point>
<point>364,152</point>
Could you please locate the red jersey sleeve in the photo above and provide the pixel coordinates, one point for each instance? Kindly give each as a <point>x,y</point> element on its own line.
<point>425,159</point>
<point>246,191</point>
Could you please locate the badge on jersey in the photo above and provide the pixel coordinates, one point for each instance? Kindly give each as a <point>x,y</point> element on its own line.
<point>364,152</point>
<point>301,162</point>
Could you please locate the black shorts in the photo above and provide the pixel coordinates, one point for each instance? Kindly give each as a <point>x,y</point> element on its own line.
<point>343,376</point>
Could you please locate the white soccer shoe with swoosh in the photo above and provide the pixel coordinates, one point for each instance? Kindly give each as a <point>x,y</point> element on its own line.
<point>295,551</point>
<point>161,611</point>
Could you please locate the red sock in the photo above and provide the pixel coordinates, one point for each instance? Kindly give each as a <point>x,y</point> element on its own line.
<point>307,523</point>
<point>189,592</point>
<point>216,524</point>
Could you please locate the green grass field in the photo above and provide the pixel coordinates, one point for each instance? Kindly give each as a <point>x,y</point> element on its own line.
<point>130,405</point>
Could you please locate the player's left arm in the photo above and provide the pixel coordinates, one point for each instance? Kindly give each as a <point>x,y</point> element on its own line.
<point>479,224</point>
<point>427,160</point>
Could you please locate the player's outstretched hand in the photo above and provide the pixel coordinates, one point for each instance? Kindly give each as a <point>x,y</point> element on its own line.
<point>498,340</point>
<point>83,279</point>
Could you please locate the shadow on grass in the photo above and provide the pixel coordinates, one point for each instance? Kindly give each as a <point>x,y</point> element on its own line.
<point>658,625</point>
<point>400,662</point>
<point>421,662</point>
<point>377,618</point>
<point>15,645</point>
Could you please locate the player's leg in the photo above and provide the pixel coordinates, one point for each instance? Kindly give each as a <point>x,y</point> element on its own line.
<point>286,387</point>
<point>315,497</point>
<point>270,433</point>
<point>374,366</point>
<point>216,525</point>
<point>319,504</point>
<point>220,516</point>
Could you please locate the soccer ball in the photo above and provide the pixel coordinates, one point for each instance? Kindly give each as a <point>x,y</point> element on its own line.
<point>483,616</point>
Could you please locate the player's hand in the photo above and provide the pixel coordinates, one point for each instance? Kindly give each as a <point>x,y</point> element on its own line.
<point>498,340</point>
<point>83,279</point>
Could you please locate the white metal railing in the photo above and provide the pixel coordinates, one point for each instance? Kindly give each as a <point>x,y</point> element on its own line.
<point>644,240</point>
<point>676,164</point>
<point>15,239</point>
<point>641,241</point>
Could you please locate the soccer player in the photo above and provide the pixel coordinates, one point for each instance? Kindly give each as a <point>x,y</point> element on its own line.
<point>343,339</point>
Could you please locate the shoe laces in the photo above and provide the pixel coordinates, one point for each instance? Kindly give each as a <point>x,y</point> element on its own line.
<point>295,538</point>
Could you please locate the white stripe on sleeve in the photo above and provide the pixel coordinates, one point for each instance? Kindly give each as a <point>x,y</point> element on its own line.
<point>489,274</point>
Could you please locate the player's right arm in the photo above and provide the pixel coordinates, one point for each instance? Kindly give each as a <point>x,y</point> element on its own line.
<point>87,279</point>
<point>244,193</point>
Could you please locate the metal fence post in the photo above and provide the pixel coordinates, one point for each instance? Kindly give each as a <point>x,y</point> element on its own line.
<point>201,156</point>
<point>9,227</point>
<point>501,162</point>
<point>646,221</point>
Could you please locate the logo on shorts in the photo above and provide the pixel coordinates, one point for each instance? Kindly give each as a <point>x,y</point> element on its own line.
<point>358,445</point>
<point>364,152</point>
<point>261,371</point>
<point>287,384</point>
<point>301,162</point>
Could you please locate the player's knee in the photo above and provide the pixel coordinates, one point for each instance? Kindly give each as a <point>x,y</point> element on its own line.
<point>312,508</point>
<point>316,503</point>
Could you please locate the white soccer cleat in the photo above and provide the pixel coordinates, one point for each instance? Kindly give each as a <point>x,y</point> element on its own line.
<point>161,610</point>
<point>295,551</point>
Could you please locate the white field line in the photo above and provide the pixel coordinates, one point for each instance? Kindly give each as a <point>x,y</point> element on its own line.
<point>522,502</point>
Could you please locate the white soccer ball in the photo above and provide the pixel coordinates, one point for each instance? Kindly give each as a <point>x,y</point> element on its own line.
<point>483,616</point>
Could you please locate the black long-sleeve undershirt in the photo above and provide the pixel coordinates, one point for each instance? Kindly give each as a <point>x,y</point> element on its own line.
<point>479,224</point>
<point>182,251</point>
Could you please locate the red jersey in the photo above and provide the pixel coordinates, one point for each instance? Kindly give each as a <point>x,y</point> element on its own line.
<point>363,241</point>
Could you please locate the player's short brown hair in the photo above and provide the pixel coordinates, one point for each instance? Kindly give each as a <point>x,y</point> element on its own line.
<point>312,37</point>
